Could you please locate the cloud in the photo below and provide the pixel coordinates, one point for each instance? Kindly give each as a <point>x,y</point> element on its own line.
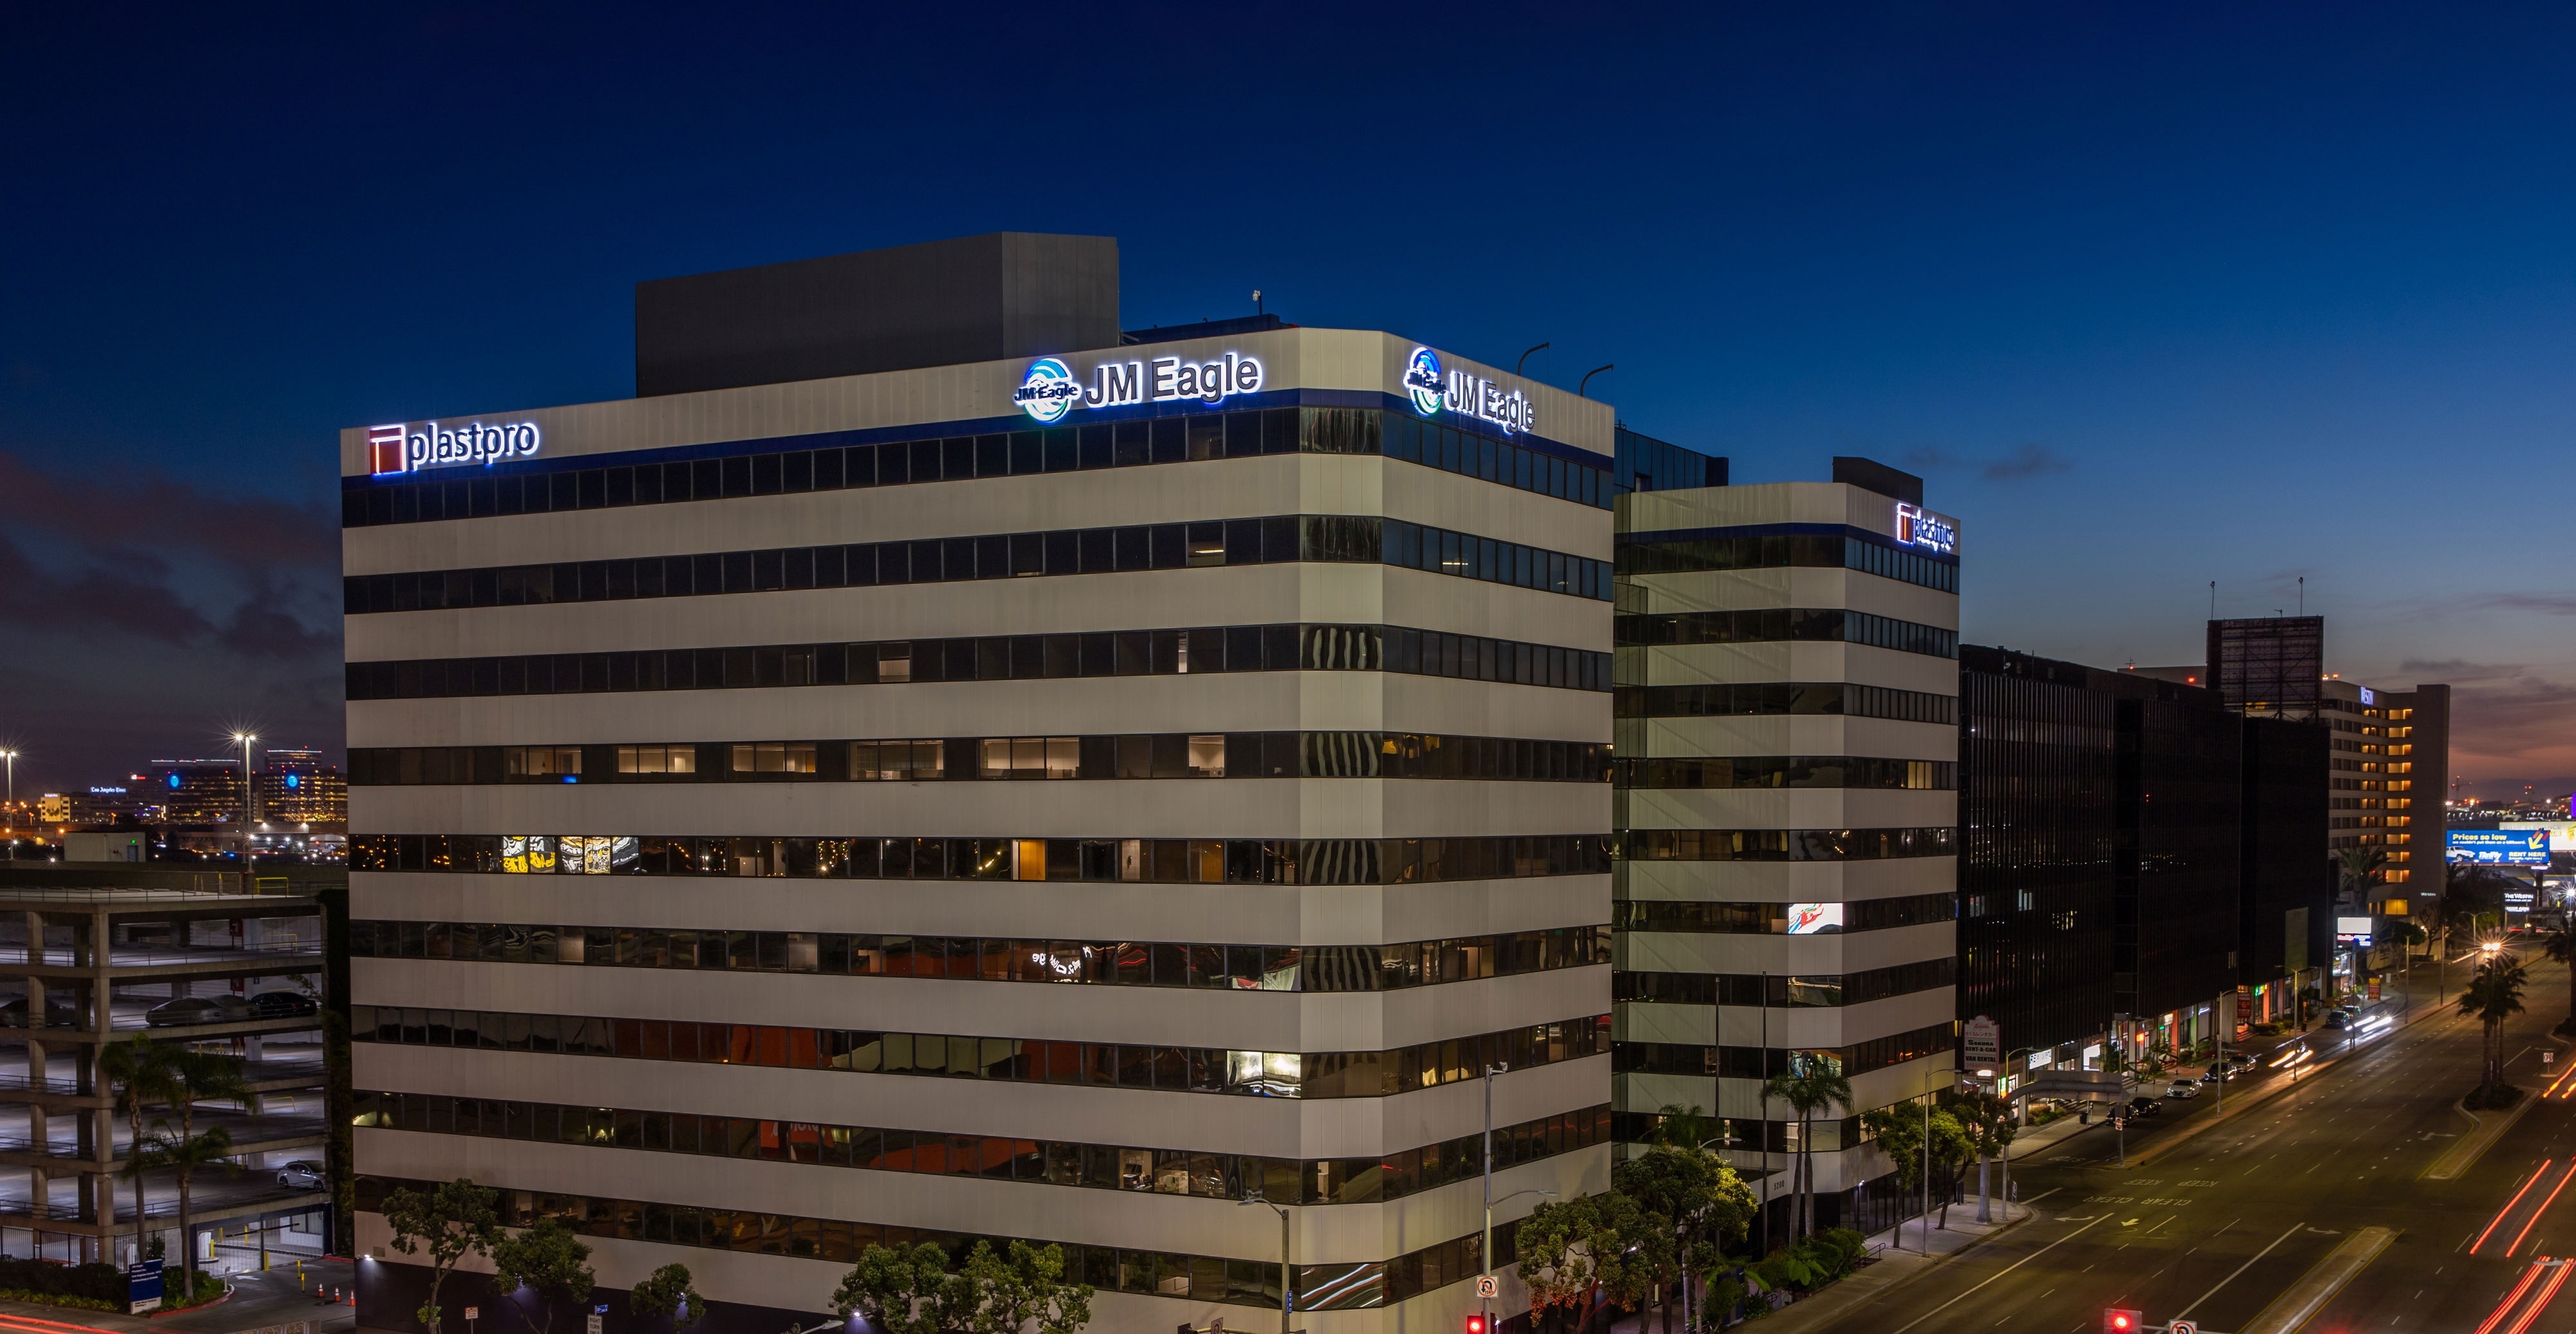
<point>2029,460</point>
<point>146,610</point>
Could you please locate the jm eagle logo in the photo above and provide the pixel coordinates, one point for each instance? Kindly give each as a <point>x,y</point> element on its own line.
<point>1049,391</point>
<point>1422,380</point>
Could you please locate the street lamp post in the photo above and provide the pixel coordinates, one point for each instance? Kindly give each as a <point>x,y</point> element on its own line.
<point>250,810</point>
<point>1287,1282</point>
<point>11,757</point>
<point>1485,1257</point>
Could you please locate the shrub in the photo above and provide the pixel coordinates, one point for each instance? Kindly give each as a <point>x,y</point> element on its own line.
<point>2492,1098</point>
<point>48,1279</point>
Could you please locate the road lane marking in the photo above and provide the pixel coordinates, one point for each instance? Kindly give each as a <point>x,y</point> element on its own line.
<point>2186,1311</point>
<point>2541,1302</point>
<point>1998,1274</point>
<point>2528,1275</point>
<point>2319,1285</point>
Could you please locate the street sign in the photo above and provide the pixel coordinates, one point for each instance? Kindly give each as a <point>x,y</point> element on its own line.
<point>594,1323</point>
<point>474,1313</point>
<point>2182,1327</point>
<point>1486,1287</point>
<point>1981,1042</point>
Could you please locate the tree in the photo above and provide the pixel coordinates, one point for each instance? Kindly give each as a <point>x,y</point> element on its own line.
<point>668,1291</point>
<point>901,1291</point>
<point>140,1070</point>
<point>2494,995</point>
<point>455,1220</point>
<point>1811,1084</point>
<point>1899,1132</point>
<point>1003,1295</point>
<point>1574,1252</point>
<point>2360,869</point>
<point>187,1155</point>
<point>1988,1122</point>
<point>548,1260</point>
<point>1697,1196</point>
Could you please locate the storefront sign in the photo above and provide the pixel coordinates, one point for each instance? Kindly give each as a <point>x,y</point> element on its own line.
<point>1981,1042</point>
<point>1919,527</point>
<point>1050,390</point>
<point>399,448</point>
<point>1471,395</point>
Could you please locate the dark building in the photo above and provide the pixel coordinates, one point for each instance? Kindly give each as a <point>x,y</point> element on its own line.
<point>1649,464</point>
<point>2099,868</point>
<point>2289,890</point>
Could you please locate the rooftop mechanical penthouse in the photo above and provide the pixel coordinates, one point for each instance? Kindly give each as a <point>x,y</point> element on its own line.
<point>852,680</point>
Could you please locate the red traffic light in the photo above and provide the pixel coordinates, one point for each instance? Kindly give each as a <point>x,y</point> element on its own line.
<point>1475,1324</point>
<point>2122,1322</point>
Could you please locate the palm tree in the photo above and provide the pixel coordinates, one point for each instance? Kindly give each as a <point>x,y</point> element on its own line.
<point>2494,994</point>
<point>187,1154</point>
<point>196,1076</point>
<point>140,1069</point>
<point>1812,1084</point>
<point>2359,869</point>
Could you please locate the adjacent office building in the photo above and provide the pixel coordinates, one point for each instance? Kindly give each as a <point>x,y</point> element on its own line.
<point>1787,808</point>
<point>2100,868</point>
<point>297,787</point>
<point>935,767</point>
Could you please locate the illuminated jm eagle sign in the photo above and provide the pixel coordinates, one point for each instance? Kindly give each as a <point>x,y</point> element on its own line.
<point>401,448</point>
<point>1050,389</point>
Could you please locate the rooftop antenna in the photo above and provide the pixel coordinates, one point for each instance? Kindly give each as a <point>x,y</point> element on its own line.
<point>1256,302</point>
<point>2213,599</point>
<point>2303,595</point>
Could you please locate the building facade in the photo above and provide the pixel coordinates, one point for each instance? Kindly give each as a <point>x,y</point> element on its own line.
<point>2100,870</point>
<point>1065,797</point>
<point>297,787</point>
<point>198,791</point>
<point>1787,812</point>
<point>2387,771</point>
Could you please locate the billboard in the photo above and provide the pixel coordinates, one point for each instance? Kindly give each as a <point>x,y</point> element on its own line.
<point>1815,919</point>
<point>2498,847</point>
<point>2352,931</point>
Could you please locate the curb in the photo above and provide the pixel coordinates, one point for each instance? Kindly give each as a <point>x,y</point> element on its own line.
<point>2482,1136</point>
<point>1927,1265</point>
<point>2319,1285</point>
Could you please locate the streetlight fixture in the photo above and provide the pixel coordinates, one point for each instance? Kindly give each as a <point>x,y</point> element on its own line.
<point>1485,1257</point>
<point>11,757</point>
<point>250,810</point>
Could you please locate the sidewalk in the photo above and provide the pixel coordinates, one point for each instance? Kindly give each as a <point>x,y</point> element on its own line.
<point>1894,1268</point>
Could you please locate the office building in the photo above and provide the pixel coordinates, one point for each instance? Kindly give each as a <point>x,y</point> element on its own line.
<point>297,788</point>
<point>2099,870</point>
<point>2389,766</point>
<point>936,768</point>
<point>1787,809</point>
<point>198,791</point>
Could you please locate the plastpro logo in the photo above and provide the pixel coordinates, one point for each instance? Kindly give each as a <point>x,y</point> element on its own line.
<point>1049,391</point>
<point>1422,380</point>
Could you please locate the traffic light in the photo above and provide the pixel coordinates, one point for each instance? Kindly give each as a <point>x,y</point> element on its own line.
<point>1476,1324</point>
<point>2122,1322</point>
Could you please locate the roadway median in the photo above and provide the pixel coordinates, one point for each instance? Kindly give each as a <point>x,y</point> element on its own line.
<point>2303,1299</point>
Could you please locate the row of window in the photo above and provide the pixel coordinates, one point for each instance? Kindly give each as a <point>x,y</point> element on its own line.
<point>1199,1278</point>
<point>1134,963</point>
<point>1239,648</point>
<point>1176,861</point>
<point>1793,624</point>
<point>1694,915</point>
<point>1785,845</point>
<point>1152,755</point>
<point>1784,990</point>
<point>834,462</point>
<point>1273,1074</point>
<point>1848,549</point>
<point>1787,771</point>
<point>1674,1058</point>
<point>1340,538</point>
<point>1774,698</point>
<point>1224,1176</point>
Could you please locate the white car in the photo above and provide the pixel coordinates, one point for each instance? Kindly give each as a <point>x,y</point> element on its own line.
<point>2183,1088</point>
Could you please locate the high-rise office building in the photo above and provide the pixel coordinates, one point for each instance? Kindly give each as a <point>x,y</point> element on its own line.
<point>198,791</point>
<point>2389,766</point>
<point>933,770</point>
<point>1787,808</point>
<point>296,787</point>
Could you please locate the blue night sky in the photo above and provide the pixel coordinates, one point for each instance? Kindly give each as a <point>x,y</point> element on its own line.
<point>2153,296</point>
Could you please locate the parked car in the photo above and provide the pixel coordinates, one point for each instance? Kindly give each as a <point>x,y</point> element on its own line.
<point>303,1174</point>
<point>58,1013</point>
<point>189,1010</point>
<point>283,1005</point>
<point>2183,1088</point>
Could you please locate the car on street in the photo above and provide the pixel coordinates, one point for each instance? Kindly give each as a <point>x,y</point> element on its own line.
<point>2183,1088</point>
<point>2145,1107</point>
<point>282,1005</point>
<point>188,1010</point>
<point>2241,1060</point>
<point>2339,1019</point>
<point>302,1174</point>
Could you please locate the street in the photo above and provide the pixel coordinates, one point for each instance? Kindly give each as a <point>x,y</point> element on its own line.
<point>2214,1225</point>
